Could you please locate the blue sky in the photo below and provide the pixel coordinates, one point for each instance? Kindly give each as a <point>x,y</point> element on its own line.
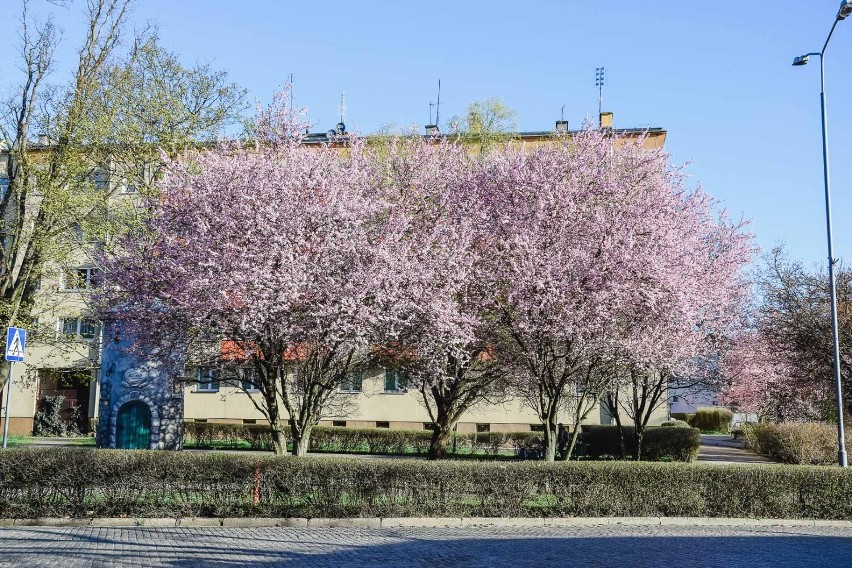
<point>716,75</point>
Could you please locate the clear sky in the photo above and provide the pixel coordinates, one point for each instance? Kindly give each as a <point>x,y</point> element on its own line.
<point>716,75</point>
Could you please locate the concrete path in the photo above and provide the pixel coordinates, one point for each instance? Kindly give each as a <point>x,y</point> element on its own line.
<point>723,449</point>
<point>491,547</point>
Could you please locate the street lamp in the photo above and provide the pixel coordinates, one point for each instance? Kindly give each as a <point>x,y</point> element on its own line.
<point>844,11</point>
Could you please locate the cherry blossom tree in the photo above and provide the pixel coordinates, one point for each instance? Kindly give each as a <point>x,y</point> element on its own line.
<point>265,262</point>
<point>690,271</point>
<point>610,268</point>
<point>762,380</point>
<point>443,263</point>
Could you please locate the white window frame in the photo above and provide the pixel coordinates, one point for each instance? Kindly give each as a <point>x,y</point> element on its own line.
<point>243,381</point>
<point>397,390</point>
<point>211,383</point>
<point>78,328</point>
<point>86,277</point>
<point>350,381</point>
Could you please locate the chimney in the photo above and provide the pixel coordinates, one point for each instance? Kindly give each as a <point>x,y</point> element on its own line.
<point>606,120</point>
<point>561,126</point>
<point>432,130</point>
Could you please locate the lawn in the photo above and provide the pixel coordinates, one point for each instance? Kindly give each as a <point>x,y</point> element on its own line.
<point>18,441</point>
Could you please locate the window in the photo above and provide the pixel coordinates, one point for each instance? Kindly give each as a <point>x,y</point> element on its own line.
<point>80,278</point>
<point>536,427</point>
<point>353,382</point>
<point>84,328</point>
<point>200,420</point>
<point>248,381</point>
<point>339,423</point>
<point>382,424</point>
<point>207,380</point>
<point>483,428</point>
<point>249,421</point>
<point>429,426</point>
<point>396,381</point>
<point>101,179</point>
<point>4,186</point>
<point>134,181</point>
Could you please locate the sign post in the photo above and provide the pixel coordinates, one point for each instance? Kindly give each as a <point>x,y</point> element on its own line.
<point>16,341</point>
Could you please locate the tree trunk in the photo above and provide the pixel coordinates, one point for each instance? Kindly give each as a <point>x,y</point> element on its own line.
<point>550,438</point>
<point>438,445</point>
<point>279,438</point>
<point>612,406</point>
<point>575,435</point>
<point>638,435</point>
<point>301,441</point>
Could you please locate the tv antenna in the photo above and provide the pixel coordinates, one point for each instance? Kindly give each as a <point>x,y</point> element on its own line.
<point>342,104</point>
<point>438,106</point>
<point>599,83</point>
<point>431,104</point>
<point>291,92</point>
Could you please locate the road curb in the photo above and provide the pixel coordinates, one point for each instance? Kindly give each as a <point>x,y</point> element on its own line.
<point>418,522</point>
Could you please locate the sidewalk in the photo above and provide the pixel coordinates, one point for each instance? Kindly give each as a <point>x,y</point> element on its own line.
<point>723,449</point>
<point>470,547</point>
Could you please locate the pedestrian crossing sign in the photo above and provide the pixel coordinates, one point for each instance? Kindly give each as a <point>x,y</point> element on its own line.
<point>16,341</point>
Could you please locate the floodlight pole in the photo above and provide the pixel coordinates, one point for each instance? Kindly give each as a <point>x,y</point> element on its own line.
<point>841,437</point>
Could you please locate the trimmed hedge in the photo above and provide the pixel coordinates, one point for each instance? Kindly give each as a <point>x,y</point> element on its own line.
<point>795,442</point>
<point>678,444</point>
<point>712,419</point>
<point>675,424</point>
<point>51,482</point>
<point>208,434</point>
<point>596,441</point>
<point>360,440</point>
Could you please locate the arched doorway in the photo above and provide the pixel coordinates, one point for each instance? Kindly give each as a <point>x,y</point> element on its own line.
<point>133,426</point>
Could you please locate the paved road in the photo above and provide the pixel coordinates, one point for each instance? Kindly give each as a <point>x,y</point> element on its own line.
<point>598,546</point>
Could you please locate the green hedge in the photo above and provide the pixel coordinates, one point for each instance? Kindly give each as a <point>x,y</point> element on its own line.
<point>359,440</point>
<point>795,442</point>
<point>51,482</point>
<point>712,419</point>
<point>209,434</point>
<point>678,444</point>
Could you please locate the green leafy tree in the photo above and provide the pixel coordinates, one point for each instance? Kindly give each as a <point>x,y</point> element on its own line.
<point>69,149</point>
<point>486,122</point>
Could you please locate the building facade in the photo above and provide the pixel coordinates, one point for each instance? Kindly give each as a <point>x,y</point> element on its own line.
<point>64,354</point>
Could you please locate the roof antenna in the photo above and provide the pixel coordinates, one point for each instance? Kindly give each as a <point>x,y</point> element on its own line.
<point>342,104</point>
<point>562,114</point>
<point>599,83</point>
<point>431,104</point>
<point>291,92</point>
<point>438,107</point>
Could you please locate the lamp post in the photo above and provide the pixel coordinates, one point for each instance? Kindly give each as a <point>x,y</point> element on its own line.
<point>844,11</point>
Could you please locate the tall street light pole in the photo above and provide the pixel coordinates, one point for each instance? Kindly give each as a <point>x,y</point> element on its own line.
<point>844,11</point>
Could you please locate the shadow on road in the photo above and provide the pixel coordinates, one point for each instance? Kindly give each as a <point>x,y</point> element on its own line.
<point>539,547</point>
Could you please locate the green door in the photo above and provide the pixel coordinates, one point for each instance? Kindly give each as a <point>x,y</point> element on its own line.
<point>133,426</point>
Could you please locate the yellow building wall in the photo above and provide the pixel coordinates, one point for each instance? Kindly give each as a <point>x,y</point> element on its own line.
<point>404,410</point>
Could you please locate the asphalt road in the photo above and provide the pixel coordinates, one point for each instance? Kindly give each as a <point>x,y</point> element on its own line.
<point>491,547</point>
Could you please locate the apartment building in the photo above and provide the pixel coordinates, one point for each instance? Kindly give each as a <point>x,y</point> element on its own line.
<point>63,355</point>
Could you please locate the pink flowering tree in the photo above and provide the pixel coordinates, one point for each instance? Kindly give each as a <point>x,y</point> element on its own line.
<point>614,275</point>
<point>444,258</point>
<point>688,270</point>
<point>761,379</point>
<point>266,263</point>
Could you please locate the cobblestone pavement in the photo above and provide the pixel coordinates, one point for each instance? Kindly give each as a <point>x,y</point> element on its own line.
<point>594,546</point>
